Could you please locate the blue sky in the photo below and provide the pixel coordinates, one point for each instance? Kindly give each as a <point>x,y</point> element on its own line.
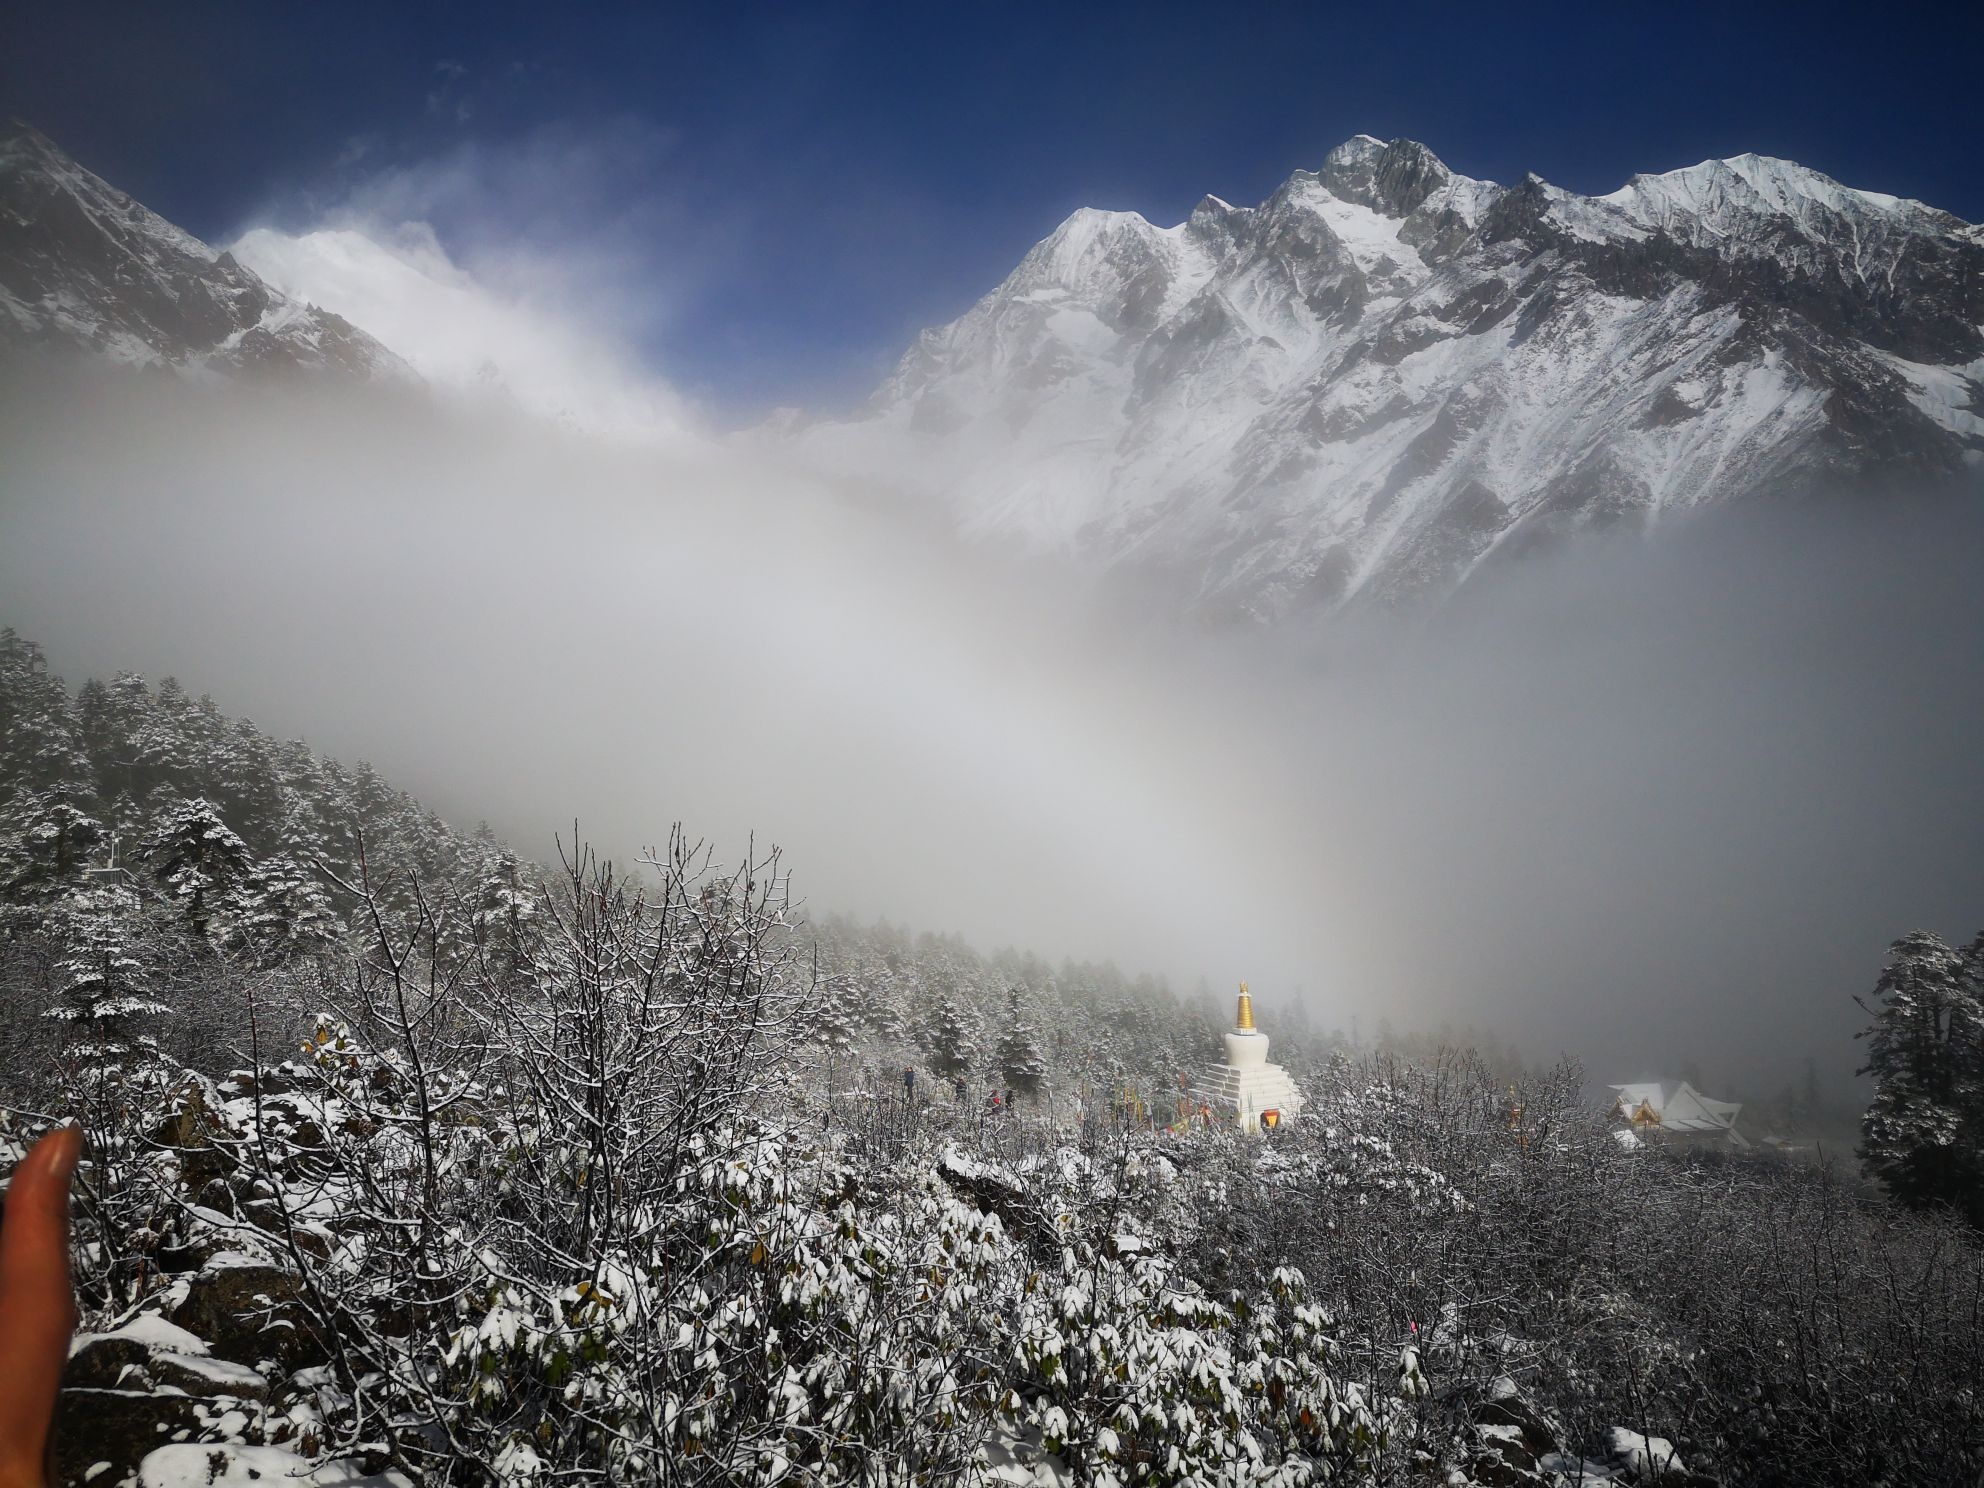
<point>768,201</point>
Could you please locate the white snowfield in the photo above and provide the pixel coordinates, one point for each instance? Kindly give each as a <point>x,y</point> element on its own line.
<point>1387,374</point>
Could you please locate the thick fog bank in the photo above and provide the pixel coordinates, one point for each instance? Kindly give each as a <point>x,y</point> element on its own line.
<point>1649,802</point>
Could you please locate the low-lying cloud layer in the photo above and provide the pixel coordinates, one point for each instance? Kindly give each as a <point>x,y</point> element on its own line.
<point>1645,801</point>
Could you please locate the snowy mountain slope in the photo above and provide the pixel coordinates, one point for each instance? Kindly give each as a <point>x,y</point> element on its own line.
<point>1388,374</point>
<point>83,264</point>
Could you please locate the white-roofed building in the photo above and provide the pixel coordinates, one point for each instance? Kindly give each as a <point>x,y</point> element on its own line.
<point>1676,1112</point>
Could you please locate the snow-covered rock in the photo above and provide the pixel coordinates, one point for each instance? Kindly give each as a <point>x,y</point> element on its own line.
<point>1647,1456</point>
<point>1389,375</point>
<point>241,1466</point>
<point>149,1352</point>
<point>251,1310</point>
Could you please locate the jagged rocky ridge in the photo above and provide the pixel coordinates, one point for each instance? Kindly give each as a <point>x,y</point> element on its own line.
<point>1388,375</point>
<point>83,265</point>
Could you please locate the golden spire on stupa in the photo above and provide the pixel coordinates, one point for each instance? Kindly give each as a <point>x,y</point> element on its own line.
<point>1245,1022</point>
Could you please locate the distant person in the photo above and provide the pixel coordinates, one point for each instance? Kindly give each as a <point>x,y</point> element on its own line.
<point>37,1305</point>
<point>908,1083</point>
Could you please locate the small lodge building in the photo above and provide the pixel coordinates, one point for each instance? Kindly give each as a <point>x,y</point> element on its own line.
<point>1676,1114</point>
<point>1246,1090</point>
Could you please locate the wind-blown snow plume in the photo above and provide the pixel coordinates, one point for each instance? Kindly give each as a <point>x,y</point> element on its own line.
<point>509,271</point>
<point>462,335</point>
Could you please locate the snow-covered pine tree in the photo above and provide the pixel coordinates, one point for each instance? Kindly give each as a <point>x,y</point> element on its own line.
<point>131,747</point>
<point>179,739</point>
<point>947,1040</point>
<point>244,779</point>
<point>46,845</point>
<point>301,832</point>
<point>889,996</point>
<point>39,750</point>
<point>283,911</point>
<point>1923,1133</point>
<point>103,974</point>
<point>198,860</point>
<point>1022,1064</point>
<point>504,909</point>
<point>836,1015</point>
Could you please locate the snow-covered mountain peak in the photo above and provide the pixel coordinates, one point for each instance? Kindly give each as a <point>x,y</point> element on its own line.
<point>1758,206</point>
<point>1358,148</point>
<point>1213,221</point>
<point>1090,250</point>
<point>83,264</point>
<point>23,147</point>
<point>1388,375</point>
<point>29,158</point>
<point>1392,177</point>
<point>464,337</point>
<point>1750,183</point>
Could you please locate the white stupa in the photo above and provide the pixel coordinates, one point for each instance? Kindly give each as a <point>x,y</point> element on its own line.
<point>1247,1090</point>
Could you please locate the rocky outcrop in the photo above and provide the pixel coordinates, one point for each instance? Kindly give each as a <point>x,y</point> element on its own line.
<point>250,1309</point>
<point>146,1385</point>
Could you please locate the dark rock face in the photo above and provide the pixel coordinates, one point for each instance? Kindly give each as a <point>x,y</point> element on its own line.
<point>83,265</point>
<point>1509,1440</point>
<point>132,1360</point>
<point>1516,1412</point>
<point>1394,178</point>
<point>251,1311</point>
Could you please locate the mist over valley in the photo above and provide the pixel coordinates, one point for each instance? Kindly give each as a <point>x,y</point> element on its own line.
<point>1334,841</point>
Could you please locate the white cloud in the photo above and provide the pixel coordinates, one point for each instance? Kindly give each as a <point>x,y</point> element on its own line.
<point>464,335</point>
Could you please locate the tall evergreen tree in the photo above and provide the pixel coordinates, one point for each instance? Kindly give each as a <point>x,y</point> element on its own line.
<point>46,844</point>
<point>947,1040</point>
<point>124,747</point>
<point>103,974</point>
<point>836,1015</point>
<point>503,909</point>
<point>284,912</point>
<point>246,784</point>
<point>39,745</point>
<point>198,860</point>
<point>1021,1060</point>
<point>1923,1133</point>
